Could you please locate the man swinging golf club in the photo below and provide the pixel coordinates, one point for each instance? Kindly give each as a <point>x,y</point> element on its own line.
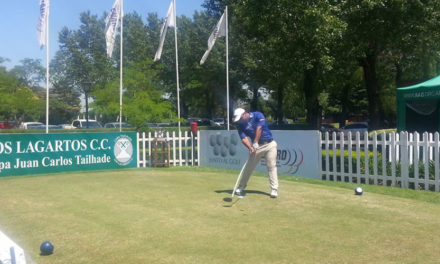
<point>254,125</point>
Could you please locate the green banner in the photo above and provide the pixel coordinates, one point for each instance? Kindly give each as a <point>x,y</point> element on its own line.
<point>22,154</point>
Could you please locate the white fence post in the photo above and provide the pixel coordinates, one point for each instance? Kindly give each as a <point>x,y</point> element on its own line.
<point>367,158</point>
<point>426,160</point>
<point>393,158</point>
<point>358,157</point>
<point>384,154</point>
<point>416,159</point>
<point>334,159</point>
<point>198,147</point>
<point>144,150</point>
<point>173,139</point>
<point>185,143</point>
<point>192,148</point>
<point>342,156</point>
<point>138,148</point>
<point>411,147</point>
<point>403,143</point>
<point>350,158</point>
<point>431,139</point>
<point>436,161</point>
<point>375,156</point>
<point>180,148</point>
<point>168,139</point>
<point>150,139</point>
<point>327,165</point>
<point>321,159</point>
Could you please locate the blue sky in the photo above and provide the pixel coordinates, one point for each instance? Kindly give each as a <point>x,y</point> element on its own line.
<point>18,22</point>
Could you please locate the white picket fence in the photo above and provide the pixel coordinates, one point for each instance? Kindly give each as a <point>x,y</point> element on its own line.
<point>391,159</point>
<point>403,160</point>
<point>183,148</point>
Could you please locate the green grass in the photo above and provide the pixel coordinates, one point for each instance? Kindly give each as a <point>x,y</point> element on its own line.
<point>179,215</point>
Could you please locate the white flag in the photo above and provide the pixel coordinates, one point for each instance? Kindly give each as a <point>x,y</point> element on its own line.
<point>170,21</point>
<point>42,23</point>
<point>219,31</point>
<point>111,24</point>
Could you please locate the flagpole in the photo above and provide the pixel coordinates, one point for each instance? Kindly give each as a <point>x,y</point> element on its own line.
<point>177,76</point>
<point>227,67</point>
<point>47,72</point>
<point>120,65</point>
<point>177,64</point>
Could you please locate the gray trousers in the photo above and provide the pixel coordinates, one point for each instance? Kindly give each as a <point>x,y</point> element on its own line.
<point>269,152</point>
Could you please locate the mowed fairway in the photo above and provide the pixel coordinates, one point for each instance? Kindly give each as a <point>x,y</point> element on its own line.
<point>179,215</point>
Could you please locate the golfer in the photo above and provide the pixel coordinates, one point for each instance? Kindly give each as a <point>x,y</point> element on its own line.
<point>254,125</point>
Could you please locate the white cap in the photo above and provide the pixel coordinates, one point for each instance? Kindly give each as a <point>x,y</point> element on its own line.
<point>238,113</point>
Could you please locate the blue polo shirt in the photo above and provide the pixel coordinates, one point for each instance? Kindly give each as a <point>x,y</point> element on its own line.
<point>249,129</point>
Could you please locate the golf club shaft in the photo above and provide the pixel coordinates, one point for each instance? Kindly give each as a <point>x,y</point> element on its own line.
<point>239,176</point>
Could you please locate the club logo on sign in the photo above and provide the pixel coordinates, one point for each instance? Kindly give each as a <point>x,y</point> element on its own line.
<point>123,150</point>
<point>292,159</point>
<point>223,145</point>
<point>289,161</point>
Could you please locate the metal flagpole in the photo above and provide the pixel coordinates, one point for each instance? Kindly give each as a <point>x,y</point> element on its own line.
<point>47,72</point>
<point>227,67</point>
<point>120,65</point>
<point>177,77</point>
<point>177,64</point>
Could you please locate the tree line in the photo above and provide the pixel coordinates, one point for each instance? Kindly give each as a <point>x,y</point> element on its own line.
<point>315,59</point>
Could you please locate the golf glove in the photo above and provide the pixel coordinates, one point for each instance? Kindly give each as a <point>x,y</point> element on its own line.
<point>255,145</point>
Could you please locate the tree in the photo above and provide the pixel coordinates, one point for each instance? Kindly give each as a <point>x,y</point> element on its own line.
<point>204,86</point>
<point>386,31</point>
<point>290,42</point>
<point>30,73</point>
<point>138,42</point>
<point>82,57</point>
<point>144,98</point>
<point>298,44</point>
<point>18,101</point>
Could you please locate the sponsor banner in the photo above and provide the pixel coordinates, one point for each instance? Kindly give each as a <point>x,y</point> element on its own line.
<point>297,152</point>
<point>422,95</point>
<point>22,154</point>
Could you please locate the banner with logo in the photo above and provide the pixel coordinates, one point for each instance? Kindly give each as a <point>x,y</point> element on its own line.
<point>22,154</point>
<point>297,152</point>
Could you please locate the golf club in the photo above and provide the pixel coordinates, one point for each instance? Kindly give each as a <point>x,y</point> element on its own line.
<point>239,177</point>
<point>230,201</point>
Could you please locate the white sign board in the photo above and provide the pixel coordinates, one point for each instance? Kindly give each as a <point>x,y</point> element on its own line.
<point>298,151</point>
<point>10,252</point>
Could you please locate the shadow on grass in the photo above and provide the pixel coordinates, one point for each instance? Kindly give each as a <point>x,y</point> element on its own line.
<point>246,192</point>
